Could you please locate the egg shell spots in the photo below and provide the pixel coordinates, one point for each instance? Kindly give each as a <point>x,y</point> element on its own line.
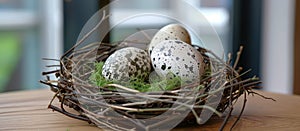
<point>170,32</point>
<point>179,58</point>
<point>126,63</point>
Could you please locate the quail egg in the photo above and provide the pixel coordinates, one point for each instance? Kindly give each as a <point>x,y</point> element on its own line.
<point>178,58</point>
<point>169,32</point>
<point>126,63</point>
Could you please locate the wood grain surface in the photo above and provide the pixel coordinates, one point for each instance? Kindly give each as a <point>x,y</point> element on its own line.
<point>27,110</point>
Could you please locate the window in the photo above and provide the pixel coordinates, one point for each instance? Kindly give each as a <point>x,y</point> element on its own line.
<point>26,28</point>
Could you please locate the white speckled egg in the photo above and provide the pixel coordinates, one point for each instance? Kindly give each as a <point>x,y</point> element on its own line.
<point>170,32</point>
<point>178,58</point>
<point>127,63</point>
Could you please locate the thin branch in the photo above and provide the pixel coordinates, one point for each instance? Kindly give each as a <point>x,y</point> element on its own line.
<point>50,72</point>
<point>238,57</point>
<point>268,98</point>
<point>69,114</point>
<point>241,112</point>
<point>230,110</point>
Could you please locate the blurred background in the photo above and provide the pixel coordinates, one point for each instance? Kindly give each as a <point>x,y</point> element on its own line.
<point>34,29</point>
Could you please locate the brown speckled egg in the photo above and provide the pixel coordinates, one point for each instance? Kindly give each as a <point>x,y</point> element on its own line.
<point>170,32</point>
<point>127,63</point>
<point>178,58</point>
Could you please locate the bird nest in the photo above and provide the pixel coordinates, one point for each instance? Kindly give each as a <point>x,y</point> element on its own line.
<point>92,102</point>
<point>118,107</point>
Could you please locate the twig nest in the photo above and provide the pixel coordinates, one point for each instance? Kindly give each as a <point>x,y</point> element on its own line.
<point>169,32</point>
<point>179,58</point>
<point>171,53</point>
<point>127,63</point>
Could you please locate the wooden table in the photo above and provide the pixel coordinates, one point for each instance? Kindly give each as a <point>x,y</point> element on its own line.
<point>27,110</point>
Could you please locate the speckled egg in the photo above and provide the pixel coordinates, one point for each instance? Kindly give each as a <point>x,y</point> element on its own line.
<point>127,63</point>
<point>178,58</point>
<point>169,32</point>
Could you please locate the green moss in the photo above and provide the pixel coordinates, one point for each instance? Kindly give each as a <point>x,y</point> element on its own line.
<point>169,83</point>
<point>138,83</point>
<point>97,77</point>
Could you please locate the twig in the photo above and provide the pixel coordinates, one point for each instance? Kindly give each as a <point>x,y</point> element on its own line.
<point>238,57</point>
<point>122,87</point>
<point>51,59</point>
<point>241,112</point>
<point>230,111</point>
<point>268,98</point>
<point>50,72</point>
<point>145,34</point>
<point>69,114</point>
